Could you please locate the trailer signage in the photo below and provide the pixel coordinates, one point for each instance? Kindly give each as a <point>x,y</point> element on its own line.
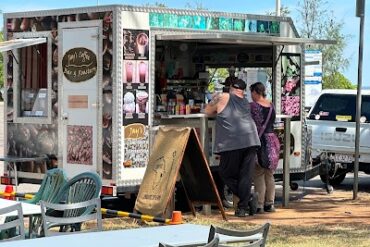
<point>134,131</point>
<point>79,64</point>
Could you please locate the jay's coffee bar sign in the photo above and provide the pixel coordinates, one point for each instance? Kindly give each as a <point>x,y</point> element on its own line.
<point>79,64</point>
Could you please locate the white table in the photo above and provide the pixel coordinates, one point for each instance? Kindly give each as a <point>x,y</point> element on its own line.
<point>13,160</point>
<point>185,234</point>
<point>28,209</point>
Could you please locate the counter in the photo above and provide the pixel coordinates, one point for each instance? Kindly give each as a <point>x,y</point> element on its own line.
<point>197,120</point>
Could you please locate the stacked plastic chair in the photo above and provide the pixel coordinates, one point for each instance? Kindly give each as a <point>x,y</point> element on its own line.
<point>50,187</point>
<point>81,188</point>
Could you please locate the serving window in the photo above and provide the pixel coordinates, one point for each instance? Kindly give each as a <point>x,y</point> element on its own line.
<point>33,81</point>
<point>31,65</point>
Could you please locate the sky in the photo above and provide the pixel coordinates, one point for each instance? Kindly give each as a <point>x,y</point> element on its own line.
<point>344,10</point>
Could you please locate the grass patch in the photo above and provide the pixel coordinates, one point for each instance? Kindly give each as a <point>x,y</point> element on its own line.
<point>328,236</point>
<point>279,236</point>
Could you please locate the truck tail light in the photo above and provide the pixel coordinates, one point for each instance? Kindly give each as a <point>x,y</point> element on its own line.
<point>107,191</point>
<point>6,180</point>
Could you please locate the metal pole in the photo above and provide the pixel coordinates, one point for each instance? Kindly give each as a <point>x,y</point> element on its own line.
<point>361,14</point>
<point>286,171</point>
<point>204,136</point>
<point>277,7</point>
<point>204,140</point>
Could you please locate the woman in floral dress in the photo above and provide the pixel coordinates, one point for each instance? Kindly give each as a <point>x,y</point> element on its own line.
<point>264,116</point>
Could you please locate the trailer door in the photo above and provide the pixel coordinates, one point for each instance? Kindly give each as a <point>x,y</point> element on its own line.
<point>79,77</point>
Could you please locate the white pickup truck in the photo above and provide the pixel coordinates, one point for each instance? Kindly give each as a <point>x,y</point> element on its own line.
<point>332,121</point>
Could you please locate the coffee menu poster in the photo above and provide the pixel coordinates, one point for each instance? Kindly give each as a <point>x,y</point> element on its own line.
<point>135,76</point>
<point>135,44</point>
<point>135,105</point>
<point>135,72</point>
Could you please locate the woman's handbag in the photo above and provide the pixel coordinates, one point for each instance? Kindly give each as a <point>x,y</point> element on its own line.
<point>268,153</point>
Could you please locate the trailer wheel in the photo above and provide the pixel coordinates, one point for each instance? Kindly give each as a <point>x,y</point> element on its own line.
<point>227,198</point>
<point>294,186</point>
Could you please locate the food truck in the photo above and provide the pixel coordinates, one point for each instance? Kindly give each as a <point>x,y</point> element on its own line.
<point>90,85</point>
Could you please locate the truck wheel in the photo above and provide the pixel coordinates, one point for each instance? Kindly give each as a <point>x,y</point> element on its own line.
<point>335,179</point>
<point>294,186</point>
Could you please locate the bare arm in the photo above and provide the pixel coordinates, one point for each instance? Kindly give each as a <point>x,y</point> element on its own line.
<point>217,104</point>
<point>211,107</point>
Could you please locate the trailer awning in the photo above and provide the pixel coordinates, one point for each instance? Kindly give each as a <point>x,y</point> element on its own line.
<point>241,39</point>
<point>20,43</point>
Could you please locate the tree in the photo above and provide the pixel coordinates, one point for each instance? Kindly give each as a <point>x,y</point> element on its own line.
<point>313,23</point>
<point>156,4</point>
<point>333,58</point>
<point>195,5</point>
<point>284,11</point>
<point>217,75</point>
<point>337,80</point>
<point>312,17</point>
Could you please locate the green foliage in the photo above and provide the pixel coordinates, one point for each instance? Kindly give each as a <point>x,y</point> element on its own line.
<point>333,58</point>
<point>313,23</point>
<point>218,74</point>
<point>337,80</point>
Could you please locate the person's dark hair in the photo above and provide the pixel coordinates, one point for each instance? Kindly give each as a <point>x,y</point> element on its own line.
<point>51,161</point>
<point>259,88</point>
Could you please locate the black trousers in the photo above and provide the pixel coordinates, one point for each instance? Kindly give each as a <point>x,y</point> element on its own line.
<point>236,171</point>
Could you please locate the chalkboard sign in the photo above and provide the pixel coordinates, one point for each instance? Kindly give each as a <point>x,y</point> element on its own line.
<point>79,64</point>
<point>177,153</point>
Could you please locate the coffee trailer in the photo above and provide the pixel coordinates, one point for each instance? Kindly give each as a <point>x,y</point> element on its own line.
<point>90,85</point>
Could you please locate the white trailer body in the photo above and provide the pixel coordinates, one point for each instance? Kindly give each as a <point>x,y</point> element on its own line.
<point>85,91</point>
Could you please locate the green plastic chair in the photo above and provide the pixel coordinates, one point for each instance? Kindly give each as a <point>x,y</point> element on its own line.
<point>50,186</point>
<point>81,188</point>
<point>50,222</point>
<point>49,189</point>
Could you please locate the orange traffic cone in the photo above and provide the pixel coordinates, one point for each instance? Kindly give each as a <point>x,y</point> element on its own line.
<point>8,192</point>
<point>176,218</point>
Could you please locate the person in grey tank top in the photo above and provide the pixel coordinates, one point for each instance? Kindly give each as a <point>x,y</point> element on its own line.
<point>236,142</point>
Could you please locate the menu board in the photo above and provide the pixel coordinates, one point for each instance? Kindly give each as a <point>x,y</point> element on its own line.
<point>312,76</point>
<point>135,76</point>
<point>136,145</point>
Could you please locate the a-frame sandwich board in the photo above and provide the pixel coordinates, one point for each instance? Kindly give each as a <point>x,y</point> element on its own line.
<point>176,153</point>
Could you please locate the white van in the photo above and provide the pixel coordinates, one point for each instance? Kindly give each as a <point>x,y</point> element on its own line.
<point>332,121</point>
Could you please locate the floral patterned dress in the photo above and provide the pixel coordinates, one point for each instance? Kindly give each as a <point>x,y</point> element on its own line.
<point>268,155</point>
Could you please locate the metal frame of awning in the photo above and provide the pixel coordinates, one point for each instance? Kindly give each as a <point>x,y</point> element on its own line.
<point>241,39</point>
<point>20,43</point>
